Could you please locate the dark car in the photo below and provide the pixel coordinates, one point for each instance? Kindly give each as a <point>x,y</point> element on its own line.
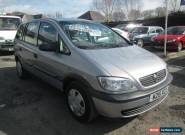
<point>142,35</point>
<point>175,38</point>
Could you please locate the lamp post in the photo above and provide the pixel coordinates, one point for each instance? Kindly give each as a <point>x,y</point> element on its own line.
<point>166,26</point>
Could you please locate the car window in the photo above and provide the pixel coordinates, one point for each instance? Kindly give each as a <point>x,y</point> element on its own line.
<point>175,30</point>
<point>9,23</point>
<point>31,33</point>
<point>140,30</point>
<point>87,35</point>
<point>152,31</point>
<point>159,31</point>
<point>47,34</point>
<point>20,32</point>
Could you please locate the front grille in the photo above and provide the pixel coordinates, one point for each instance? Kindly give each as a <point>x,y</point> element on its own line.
<point>7,46</point>
<point>153,78</point>
<point>142,109</point>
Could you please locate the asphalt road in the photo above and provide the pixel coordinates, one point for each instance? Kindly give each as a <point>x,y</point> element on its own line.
<point>32,107</point>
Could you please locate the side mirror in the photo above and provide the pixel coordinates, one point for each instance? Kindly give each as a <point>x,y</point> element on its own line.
<point>48,47</point>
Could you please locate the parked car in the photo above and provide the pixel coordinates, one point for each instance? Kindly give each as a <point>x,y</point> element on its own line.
<point>99,71</point>
<point>142,35</point>
<point>175,38</point>
<point>8,29</point>
<point>121,32</point>
<point>127,27</point>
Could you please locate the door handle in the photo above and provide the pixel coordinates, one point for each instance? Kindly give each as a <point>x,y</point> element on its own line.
<point>35,55</point>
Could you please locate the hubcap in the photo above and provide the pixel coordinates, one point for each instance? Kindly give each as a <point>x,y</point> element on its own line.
<point>140,43</point>
<point>76,102</point>
<point>19,68</point>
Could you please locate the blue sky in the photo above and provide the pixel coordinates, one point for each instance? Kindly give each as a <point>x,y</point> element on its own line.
<point>69,8</point>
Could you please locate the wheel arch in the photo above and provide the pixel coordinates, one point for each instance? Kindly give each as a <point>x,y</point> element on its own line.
<point>74,77</point>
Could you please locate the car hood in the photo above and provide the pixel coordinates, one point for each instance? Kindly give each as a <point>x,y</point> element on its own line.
<point>8,34</point>
<point>132,61</point>
<point>169,37</point>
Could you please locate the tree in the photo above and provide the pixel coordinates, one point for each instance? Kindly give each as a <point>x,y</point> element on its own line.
<point>118,16</point>
<point>174,5</point>
<point>109,7</point>
<point>148,14</point>
<point>134,14</point>
<point>130,6</point>
<point>106,7</point>
<point>160,11</point>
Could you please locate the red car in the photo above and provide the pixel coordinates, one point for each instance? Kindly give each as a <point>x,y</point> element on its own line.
<point>175,38</point>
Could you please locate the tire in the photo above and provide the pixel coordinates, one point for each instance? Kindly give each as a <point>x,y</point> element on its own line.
<point>179,47</point>
<point>140,43</point>
<point>21,72</point>
<point>80,103</point>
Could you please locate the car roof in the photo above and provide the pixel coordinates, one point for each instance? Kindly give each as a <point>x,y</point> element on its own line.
<point>63,20</point>
<point>179,26</point>
<point>149,27</point>
<point>9,16</point>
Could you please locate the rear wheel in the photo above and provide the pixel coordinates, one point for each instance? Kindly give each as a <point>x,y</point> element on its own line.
<point>140,43</point>
<point>179,47</point>
<point>79,102</point>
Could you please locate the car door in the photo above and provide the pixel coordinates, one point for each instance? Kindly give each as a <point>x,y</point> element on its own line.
<point>50,63</point>
<point>28,47</point>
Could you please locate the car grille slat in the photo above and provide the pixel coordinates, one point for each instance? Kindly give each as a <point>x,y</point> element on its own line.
<point>153,79</point>
<point>132,112</point>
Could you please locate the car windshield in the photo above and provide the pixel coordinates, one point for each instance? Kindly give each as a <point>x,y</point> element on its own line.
<point>87,35</point>
<point>142,30</point>
<point>8,23</point>
<point>175,30</point>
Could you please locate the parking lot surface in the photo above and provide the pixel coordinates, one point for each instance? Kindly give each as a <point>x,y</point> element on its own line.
<point>32,107</point>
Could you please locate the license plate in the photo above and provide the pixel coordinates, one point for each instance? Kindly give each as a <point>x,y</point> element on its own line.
<point>158,94</point>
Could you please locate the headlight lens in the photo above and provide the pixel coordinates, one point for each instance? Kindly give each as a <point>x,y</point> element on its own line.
<point>116,84</point>
<point>172,40</point>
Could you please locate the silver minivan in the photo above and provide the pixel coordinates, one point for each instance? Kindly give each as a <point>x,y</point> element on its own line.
<point>99,71</point>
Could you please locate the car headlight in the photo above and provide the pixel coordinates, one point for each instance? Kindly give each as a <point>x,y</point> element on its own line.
<point>116,84</point>
<point>171,41</point>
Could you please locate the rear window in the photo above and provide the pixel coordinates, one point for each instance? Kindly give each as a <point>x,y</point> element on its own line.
<point>175,30</point>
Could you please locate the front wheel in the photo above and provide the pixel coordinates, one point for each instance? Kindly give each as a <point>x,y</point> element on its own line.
<point>140,43</point>
<point>79,103</point>
<point>20,71</point>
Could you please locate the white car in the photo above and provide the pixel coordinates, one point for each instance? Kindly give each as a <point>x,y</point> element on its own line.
<point>8,30</point>
<point>122,33</point>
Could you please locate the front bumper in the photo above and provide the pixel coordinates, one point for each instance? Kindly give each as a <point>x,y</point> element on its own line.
<point>169,46</point>
<point>7,46</point>
<point>131,104</point>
